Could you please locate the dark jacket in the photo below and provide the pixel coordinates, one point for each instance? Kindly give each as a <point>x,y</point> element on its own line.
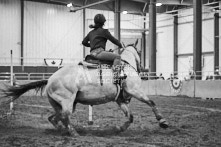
<point>98,38</point>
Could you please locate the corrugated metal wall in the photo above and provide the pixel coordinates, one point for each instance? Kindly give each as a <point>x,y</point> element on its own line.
<point>185,40</point>
<point>164,44</point>
<point>9,31</point>
<point>52,32</point>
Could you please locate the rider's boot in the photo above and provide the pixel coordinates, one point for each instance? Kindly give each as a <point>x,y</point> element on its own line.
<point>118,75</point>
<point>117,70</point>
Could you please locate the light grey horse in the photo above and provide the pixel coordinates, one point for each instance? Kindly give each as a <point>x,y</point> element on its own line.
<point>77,84</point>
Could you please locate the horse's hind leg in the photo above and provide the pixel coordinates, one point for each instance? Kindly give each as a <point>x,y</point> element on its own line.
<point>140,95</point>
<point>124,107</point>
<point>67,109</point>
<point>55,118</point>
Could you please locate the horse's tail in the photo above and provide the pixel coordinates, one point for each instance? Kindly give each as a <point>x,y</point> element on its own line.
<point>15,92</point>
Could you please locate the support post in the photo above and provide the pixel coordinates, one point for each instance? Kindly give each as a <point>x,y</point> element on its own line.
<point>143,55</point>
<point>11,79</point>
<point>22,32</point>
<point>216,41</point>
<point>152,38</point>
<point>90,119</point>
<point>197,38</point>
<point>117,20</point>
<point>175,44</point>
<point>84,32</point>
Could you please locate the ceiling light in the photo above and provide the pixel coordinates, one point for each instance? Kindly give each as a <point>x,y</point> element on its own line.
<point>69,5</point>
<point>124,12</point>
<point>158,4</point>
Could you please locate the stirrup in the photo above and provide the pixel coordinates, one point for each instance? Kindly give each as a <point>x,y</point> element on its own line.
<point>119,79</point>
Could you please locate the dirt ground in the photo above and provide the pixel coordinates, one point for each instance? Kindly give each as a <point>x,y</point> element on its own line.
<point>193,123</point>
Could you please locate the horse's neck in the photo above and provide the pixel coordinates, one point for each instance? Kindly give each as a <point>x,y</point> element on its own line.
<point>129,57</point>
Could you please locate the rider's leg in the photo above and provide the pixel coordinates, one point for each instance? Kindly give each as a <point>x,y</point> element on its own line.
<point>117,66</point>
<point>115,58</point>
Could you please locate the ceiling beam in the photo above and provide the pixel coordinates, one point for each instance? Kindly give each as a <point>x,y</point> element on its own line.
<point>90,5</point>
<point>168,2</point>
<point>176,2</point>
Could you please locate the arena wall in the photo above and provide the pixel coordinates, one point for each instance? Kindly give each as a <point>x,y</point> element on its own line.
<point>192,88</point>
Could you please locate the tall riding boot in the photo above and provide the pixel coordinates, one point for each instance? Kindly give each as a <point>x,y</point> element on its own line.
<point>117,70</point>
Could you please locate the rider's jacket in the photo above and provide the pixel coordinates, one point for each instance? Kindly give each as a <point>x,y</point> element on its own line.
<point>97,38</point>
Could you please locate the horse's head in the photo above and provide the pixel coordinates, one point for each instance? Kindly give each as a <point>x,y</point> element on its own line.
<point>131,54</point>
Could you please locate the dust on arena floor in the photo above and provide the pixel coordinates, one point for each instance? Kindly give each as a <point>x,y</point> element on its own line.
<point>193,122</point>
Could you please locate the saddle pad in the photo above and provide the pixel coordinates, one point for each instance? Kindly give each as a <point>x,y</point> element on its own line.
<point>88,65</point>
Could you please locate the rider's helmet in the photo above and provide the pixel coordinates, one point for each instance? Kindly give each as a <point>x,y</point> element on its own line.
<point>99,19</point>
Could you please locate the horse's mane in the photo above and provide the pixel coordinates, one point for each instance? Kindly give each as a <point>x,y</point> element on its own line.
<point>130,55</point>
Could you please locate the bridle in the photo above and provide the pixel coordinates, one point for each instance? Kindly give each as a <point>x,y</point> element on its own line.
<point>124,48</point>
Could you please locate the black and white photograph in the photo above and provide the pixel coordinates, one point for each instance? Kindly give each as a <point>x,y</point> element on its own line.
<point>110,73</point>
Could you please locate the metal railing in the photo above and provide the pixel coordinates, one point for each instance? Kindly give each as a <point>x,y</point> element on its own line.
<point>25,76</point>
<point>205,75</point>
<point>186,75</point>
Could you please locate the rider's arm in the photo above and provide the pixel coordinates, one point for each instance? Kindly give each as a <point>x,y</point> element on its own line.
<point>112,39</point>
<point>86,40</point>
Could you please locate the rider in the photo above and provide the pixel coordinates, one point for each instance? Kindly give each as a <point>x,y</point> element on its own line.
<point>96,40</point>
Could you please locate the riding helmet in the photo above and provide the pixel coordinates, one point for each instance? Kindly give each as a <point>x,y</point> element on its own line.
<point>99,19</point>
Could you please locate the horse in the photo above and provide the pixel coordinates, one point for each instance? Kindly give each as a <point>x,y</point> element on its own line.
<point>76,83</point>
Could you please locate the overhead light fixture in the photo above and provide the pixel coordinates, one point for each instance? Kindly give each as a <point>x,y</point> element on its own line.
<point>158,4</point>
<point>69,5</point>
<point>124,12</point>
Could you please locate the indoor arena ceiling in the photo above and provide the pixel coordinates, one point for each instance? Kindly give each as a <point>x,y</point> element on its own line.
<point>132,6</point>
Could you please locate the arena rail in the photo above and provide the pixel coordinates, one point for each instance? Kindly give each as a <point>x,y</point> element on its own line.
<point>180,85</point>
<point>5,76</point>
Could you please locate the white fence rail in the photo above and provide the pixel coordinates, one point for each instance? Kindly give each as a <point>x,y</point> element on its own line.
<point>24,76</point>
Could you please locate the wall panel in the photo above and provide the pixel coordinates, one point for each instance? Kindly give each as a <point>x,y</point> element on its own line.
<point>50,31</point>
<point>208,32</point>
<point>165,51</point>
<point>164,44</point>
<point>9,31</point>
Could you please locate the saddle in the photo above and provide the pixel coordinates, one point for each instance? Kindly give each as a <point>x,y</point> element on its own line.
<point>92,62</point>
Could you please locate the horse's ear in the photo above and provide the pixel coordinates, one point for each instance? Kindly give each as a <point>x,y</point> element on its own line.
<point>135,44</point>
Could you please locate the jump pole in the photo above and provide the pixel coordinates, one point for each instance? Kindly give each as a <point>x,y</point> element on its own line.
<point>90,118</point>
<point>11,80</point>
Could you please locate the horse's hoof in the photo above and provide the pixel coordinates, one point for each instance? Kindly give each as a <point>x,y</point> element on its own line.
<point>71,133</point>
<point>59,127</point>
<point>163,124</point>
<point>119,129</point>
<point>74,134</point>
<point>90,122</point>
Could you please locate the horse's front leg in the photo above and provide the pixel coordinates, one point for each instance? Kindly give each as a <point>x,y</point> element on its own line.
<point>141,96</point>
<point>124,107</point>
